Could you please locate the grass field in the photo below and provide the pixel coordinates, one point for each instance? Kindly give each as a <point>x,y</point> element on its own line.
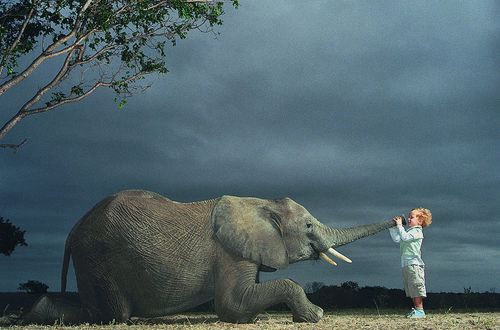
<point>352,320</point>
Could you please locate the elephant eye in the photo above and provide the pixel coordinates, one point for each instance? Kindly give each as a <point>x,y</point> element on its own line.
<point>309,225</point>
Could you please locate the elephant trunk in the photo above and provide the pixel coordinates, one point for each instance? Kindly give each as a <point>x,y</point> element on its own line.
<point>338,237</point>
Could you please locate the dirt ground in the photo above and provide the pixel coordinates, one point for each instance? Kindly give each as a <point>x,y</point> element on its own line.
<point>337,320</point>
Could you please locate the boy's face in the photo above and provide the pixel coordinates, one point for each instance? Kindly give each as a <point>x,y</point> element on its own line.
<point>413,219</point>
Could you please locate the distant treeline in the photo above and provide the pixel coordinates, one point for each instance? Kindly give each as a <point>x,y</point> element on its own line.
<point>350,295</point>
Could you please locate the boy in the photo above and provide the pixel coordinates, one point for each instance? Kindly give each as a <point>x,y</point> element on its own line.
<point>410,243</point>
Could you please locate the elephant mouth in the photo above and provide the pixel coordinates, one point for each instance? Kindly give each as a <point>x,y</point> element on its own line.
<point>315,253</point>
<point>321,254</point>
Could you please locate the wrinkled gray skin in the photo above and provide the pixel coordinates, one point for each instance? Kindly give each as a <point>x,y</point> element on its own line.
<point>137,253</point>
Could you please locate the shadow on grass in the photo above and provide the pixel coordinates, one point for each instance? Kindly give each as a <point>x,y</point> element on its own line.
<point>184,319</point>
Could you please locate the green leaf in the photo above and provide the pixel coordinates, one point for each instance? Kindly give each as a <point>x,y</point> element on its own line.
<point>77,90</point>
<point>120,103</point>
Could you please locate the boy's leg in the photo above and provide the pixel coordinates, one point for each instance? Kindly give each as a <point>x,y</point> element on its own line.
<point>419,293</point>
<point>416,284</point>
<point>418,302</point>
<point>415,288</point>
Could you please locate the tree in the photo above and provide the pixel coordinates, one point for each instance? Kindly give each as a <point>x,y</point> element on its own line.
<point>99,43</point>
<point>10,237</point>
<point>312,287</point>
<point>350,285</point>
<point>33,287</point>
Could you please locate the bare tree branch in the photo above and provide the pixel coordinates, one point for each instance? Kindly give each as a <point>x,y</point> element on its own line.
<point>81,97</point>
<point>93,57</point>
<point>23,112</point>
<point>10,124</point>
<point>13,146</point>
<point>68,100</point>
<point>54,82</point>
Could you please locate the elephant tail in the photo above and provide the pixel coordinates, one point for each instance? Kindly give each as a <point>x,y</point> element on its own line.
<point>64,272</point>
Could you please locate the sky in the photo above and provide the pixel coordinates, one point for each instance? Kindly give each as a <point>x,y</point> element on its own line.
<point>358,110</point>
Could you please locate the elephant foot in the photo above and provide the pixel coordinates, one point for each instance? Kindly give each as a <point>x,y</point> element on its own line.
<point>48,310</point>
<point>42,312</point>
<point>9,320</point>
<point>310,314</point>
<point>238,318</point>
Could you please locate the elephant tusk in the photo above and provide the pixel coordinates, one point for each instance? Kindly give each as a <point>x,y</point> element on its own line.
<point>327,259</point>
<point>339,255</point>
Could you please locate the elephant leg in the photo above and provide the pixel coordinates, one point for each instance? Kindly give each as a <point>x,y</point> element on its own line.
<point>240,299</point>
<point>106,303</point>
<point>243,304</point>
<point>51,309</point>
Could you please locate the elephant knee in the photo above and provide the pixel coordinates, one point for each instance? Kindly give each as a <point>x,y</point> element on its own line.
<point>293,290</point>
<point>233,310</point>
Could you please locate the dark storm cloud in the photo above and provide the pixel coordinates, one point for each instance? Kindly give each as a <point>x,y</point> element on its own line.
<point>359,111</point>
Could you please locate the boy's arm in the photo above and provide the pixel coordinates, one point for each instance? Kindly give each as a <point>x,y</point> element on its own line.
<point>396,237</point>
<point>395,234</point>
<point>415,234</point>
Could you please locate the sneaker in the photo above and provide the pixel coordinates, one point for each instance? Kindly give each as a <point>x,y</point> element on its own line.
<point>416,314</point>
<point>412,311</point>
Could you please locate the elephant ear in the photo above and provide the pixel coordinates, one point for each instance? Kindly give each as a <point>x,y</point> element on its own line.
<point>247,227</point>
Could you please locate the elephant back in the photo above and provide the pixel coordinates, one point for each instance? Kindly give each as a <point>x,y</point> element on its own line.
<point>137,216</point>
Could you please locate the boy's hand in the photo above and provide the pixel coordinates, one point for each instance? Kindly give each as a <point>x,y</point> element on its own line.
<point>398,220</point>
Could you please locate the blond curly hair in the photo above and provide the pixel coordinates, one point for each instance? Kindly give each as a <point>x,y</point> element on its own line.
<point>423,214</point>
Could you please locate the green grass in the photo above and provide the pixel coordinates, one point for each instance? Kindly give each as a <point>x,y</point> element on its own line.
<point>345,319</point>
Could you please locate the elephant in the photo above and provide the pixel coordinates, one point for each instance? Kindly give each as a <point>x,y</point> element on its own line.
<point>137,253</point>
